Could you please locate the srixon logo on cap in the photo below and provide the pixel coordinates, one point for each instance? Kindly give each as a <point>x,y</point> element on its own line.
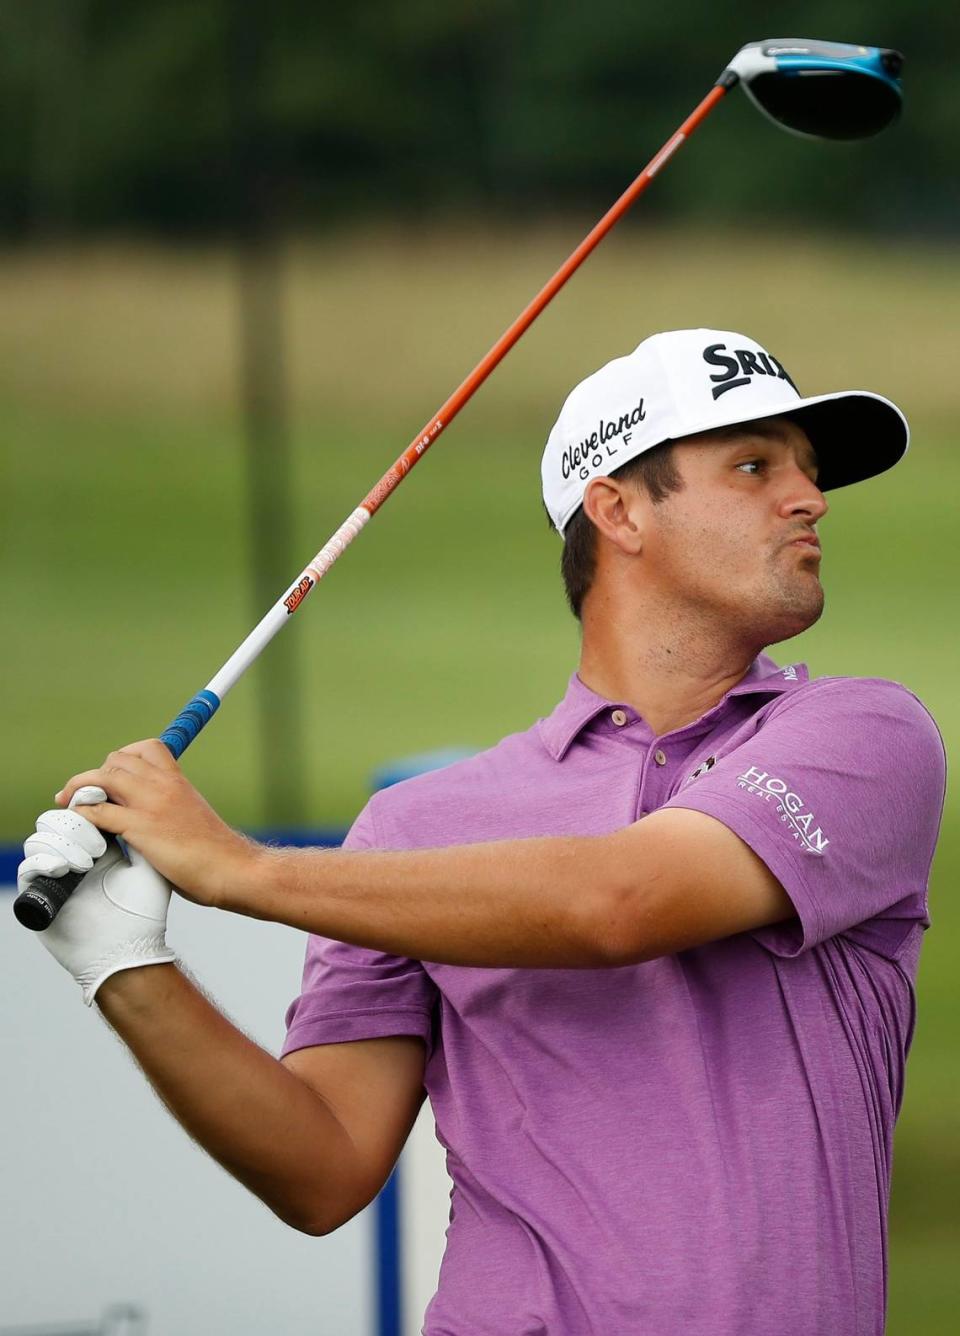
<point>739,364</point>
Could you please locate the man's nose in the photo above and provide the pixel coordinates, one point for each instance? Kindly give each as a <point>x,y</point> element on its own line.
<point>803,497</point>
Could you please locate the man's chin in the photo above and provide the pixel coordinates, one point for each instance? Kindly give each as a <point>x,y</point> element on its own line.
<point>799,614</point>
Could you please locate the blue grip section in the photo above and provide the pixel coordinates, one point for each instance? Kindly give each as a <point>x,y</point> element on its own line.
<point>195,715</point>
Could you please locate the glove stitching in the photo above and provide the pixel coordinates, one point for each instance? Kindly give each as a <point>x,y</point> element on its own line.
<point>136,952</point>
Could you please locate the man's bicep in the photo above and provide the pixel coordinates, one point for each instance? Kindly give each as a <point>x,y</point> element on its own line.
<point>374,1088</point>
<point>696,882</point>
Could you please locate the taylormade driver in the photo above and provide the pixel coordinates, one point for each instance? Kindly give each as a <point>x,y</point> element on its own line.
<point>824,89</point>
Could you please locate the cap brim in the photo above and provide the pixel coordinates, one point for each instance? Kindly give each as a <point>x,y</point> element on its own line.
<point>856,435</point>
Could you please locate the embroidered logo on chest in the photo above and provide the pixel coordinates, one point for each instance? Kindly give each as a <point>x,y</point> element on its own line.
<point>702,768</point>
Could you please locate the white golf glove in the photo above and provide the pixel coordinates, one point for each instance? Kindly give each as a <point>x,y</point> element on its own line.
<point>116,918</point>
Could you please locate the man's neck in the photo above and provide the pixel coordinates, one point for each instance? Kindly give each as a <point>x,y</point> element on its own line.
<point>670,675</point>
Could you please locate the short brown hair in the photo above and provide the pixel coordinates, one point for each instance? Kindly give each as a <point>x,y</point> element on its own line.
<point>656,472</point>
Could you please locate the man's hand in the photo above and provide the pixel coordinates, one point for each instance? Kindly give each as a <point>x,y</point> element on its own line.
<point>116,918</point>
<point>158,812</point>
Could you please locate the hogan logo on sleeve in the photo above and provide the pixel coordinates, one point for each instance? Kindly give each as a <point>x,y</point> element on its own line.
<point>791,807</point>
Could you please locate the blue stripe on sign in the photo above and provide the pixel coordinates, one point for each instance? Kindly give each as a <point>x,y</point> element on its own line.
<point>387,1257</point>
<point>11,854</point>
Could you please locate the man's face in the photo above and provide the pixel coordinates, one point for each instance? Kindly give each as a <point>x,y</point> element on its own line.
<point>727,543</point>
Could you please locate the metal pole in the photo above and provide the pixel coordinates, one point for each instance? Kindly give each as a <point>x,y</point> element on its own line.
<point>264,400</point>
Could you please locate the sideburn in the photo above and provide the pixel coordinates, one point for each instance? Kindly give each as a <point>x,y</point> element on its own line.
<point>654,472</point>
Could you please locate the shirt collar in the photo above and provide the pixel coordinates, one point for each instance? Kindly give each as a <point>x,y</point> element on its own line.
<point>580,706</point>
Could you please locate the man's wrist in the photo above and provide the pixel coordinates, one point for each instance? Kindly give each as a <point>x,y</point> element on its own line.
<point>282,885</point>
<point>247,883</point>
<point>135,987</point>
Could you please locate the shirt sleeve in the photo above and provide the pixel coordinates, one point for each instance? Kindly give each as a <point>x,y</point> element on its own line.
<point>349,992</point>
<point>840,791</point>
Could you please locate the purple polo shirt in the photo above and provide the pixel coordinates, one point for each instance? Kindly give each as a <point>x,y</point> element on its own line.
<point>699,1144</point>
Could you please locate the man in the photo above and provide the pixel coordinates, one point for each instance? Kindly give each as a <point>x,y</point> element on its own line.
<point>652,959</point>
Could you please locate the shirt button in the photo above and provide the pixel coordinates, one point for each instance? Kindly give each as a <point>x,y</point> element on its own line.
<point>619,717</point>
<point>659,757</point>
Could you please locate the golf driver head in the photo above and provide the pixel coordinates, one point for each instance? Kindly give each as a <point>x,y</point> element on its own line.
<point>828,90</point>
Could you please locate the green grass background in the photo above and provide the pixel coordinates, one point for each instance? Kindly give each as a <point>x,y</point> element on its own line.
<point>126,551</point>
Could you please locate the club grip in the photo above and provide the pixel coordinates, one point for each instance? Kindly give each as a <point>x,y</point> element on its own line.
<point>196,714</point>
<point>41,902</point>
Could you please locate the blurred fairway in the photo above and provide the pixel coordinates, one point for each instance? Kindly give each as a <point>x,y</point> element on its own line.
<point>126,557</point>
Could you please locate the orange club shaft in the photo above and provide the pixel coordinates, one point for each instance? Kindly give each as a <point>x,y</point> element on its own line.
<point>421,443</point>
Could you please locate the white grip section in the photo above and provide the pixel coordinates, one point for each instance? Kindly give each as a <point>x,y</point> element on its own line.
<point>341,539</point>
<point>261,635</point>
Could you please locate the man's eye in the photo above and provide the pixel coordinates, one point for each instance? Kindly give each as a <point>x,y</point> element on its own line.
<point>757,464</point>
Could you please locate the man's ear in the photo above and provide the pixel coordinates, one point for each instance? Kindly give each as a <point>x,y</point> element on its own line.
<point>615,509</point>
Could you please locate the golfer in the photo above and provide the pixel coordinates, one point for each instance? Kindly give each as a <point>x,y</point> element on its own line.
<point>652,960</point>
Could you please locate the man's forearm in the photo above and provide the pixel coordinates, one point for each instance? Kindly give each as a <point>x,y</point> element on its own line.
<point>260,1121</point>
<point>520,903</point>
<point>558,902</point>
<point>562,902</point>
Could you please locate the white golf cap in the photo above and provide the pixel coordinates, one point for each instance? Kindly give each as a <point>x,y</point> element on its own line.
<point>687,381</point>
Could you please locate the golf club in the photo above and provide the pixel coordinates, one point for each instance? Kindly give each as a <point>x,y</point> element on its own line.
<point>823,89</point>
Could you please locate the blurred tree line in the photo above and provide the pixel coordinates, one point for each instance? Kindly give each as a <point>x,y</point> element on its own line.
<point>134,114</point>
